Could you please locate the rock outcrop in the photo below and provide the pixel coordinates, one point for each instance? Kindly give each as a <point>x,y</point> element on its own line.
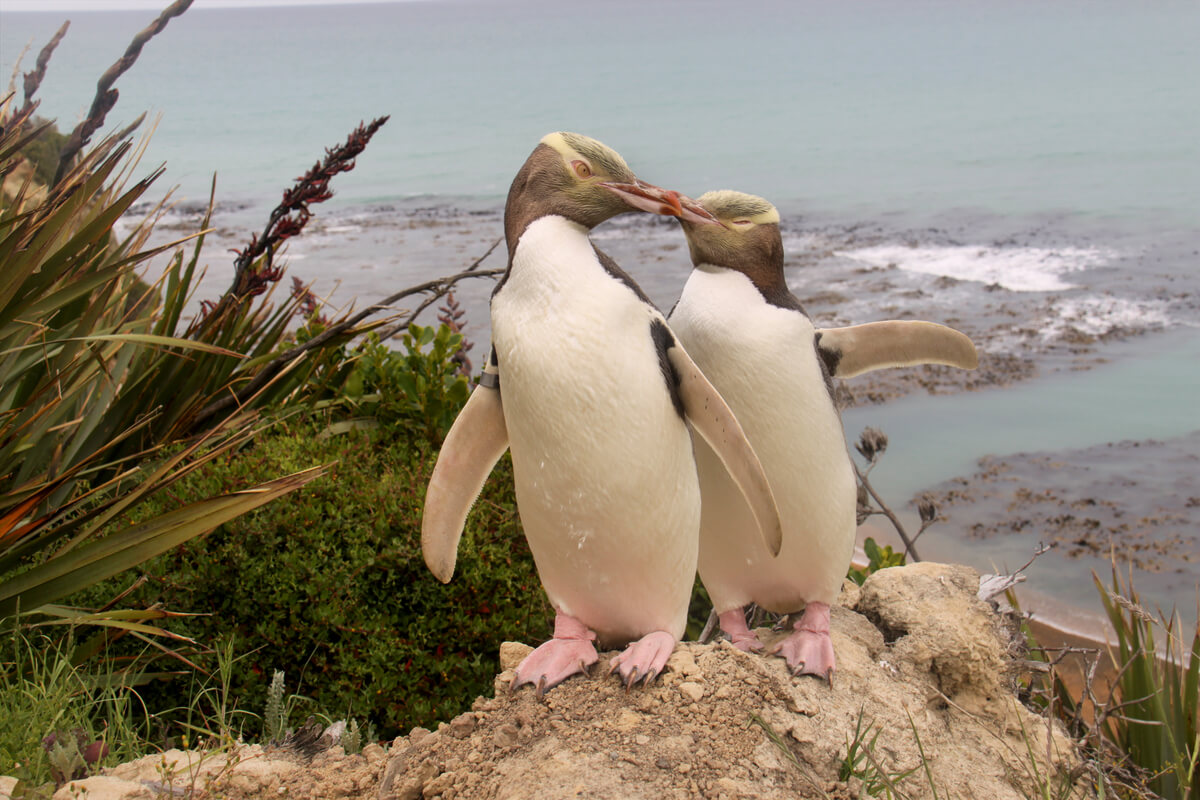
<point>922,699</point>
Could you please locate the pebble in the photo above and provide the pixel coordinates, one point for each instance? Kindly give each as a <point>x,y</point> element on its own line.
<point>462,725</point>
<point>505,735</point>
<point>512,653</point>
<point>692,691</point>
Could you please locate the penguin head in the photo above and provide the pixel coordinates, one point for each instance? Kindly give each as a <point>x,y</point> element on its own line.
<point>746,234</point>
<point>579,178</point>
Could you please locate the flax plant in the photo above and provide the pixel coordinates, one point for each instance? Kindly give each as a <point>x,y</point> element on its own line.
<point>78,334</point>
<point>1153,719</point>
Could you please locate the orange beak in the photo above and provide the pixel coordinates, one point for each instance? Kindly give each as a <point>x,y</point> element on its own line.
<point>694,212</point>
<point>648,197</point>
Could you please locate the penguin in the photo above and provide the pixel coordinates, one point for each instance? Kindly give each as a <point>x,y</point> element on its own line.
<point>592,394</point>
<point>752,338</point>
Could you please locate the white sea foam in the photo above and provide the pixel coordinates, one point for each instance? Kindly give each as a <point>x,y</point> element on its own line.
<point>1099,315</point>
<point>801,242</point>
<point>1021,269</point>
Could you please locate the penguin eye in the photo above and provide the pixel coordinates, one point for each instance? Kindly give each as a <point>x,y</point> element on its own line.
<point>741,223</point>
<point>582,169</point>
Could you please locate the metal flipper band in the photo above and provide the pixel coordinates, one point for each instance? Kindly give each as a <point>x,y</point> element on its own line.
<point>490,379</point>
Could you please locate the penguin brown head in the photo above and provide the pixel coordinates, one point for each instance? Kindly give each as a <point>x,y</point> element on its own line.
<point>746,238</point>
<point>577,177</point>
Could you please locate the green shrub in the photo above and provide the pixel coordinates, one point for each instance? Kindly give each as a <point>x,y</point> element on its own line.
<point>418,389</point>
<point>877,558</point>
<point>329,584</point>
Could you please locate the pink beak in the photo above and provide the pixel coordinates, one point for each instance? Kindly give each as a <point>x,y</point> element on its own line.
<point>694,212</point>
<point>648,197</point>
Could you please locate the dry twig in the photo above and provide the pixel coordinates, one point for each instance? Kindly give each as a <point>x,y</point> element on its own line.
<point>438,292</point>
<point>872,444</point>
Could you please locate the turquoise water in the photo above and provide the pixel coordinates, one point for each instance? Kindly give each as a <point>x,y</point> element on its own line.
<point>1145,393</point>
<point>870,107</point>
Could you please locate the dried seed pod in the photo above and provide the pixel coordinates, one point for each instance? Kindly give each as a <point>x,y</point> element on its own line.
<point>872,444</point>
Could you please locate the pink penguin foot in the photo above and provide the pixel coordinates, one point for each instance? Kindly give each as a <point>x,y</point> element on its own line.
<point>733,622</point>
<point>645,658</point>
<point>570,651</point>
<point>809,650</point>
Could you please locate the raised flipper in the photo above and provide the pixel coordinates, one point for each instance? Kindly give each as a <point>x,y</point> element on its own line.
<point>711,418</point>
<point>475,443</point>
<point>894,343</point>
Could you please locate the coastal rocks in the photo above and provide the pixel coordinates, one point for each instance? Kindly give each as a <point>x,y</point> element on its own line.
<point>1085,500</point>
<point>921,663</point>
<point>938,626</point>
<point>921,687</point>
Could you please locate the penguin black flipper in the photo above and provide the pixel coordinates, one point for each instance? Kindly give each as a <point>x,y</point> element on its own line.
<point>857,349</point>
<point>711,417</point>
<point>475,443</point>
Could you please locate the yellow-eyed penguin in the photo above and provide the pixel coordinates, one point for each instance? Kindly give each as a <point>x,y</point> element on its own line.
<point>588,388</point>
<point>749,334</point>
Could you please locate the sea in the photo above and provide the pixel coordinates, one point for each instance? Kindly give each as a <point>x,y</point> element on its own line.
<point>988,158</point>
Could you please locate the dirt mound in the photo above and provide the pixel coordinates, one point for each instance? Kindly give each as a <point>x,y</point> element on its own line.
<point>921,685</point>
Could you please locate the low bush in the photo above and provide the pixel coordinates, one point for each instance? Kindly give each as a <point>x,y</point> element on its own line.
<point>329,584</point>
<point>417,389</point>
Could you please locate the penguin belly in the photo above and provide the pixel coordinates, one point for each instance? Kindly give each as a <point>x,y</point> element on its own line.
<point>605,476</point>
<point>763,360</point>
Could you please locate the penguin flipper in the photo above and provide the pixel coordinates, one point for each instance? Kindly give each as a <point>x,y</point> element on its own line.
<point>475,443</point>
<point>712,418</point>
<point>893,343</point>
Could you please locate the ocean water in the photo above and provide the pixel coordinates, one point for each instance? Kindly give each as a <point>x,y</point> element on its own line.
<point>1083,107</point>
<point>1045,154</point>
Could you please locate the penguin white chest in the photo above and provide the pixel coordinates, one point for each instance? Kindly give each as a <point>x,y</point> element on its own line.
<point>605,477</point>
<point>763,360</point>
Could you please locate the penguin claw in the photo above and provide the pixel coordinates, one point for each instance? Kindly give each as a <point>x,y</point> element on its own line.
<point>644,659</point>
<point>552,663</point>
<point>808,649</point>
<point>808,653</point>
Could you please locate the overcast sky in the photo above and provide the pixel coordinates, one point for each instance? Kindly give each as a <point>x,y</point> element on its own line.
<point>156,5</point>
